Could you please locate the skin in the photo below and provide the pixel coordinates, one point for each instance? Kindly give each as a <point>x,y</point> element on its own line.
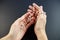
<point>40,23</point>
<point>36,14</point>
<point>17,31</point>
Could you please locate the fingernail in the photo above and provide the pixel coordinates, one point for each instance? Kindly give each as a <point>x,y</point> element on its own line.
<point>41,7</point>
<point>29,6</point>
<point>33,3</point>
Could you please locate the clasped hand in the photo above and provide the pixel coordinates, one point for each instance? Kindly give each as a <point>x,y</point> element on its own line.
<point>34,15</point>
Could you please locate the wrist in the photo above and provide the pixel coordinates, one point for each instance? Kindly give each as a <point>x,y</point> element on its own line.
<point>7,37</point>
<point>42,35</point>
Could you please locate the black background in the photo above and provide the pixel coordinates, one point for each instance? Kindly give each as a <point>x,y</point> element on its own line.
<point>10,10</point>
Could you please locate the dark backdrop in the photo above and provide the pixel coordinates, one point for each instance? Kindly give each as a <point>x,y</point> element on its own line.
<point>10,10</point>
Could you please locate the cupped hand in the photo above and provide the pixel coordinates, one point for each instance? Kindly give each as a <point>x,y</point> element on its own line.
<point>40,24</point>
<point>20,26</point>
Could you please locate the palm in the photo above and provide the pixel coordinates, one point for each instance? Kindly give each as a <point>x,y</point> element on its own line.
<point>16,29</point>
<point>20,26</point>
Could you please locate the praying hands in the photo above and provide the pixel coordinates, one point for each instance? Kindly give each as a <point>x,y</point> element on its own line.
<point>34,15</point>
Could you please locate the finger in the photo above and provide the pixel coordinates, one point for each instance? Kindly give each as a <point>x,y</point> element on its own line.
<point>45,14</point>
<point>41,9</point>
<point>32,14</point>
<point>30,7</point>
<point>34,10</point>
<point>29,16</point>
<point>28,25</point>
<point>28,19</point>
<point>25,21</point>
<point>23,16</point>
<point>29,10</point>
<point>31,22</point>
<point>36,6</point>
<point>26,15</point>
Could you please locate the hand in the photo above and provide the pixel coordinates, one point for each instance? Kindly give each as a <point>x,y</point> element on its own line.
<point>40,21</point>
<point>20,26</point>
<point>34,14</point>
<point>41,17</point>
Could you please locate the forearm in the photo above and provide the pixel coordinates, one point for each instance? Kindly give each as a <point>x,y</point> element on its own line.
<point>8,37</point>
<point>40,32</point>
<point>42,35</point>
